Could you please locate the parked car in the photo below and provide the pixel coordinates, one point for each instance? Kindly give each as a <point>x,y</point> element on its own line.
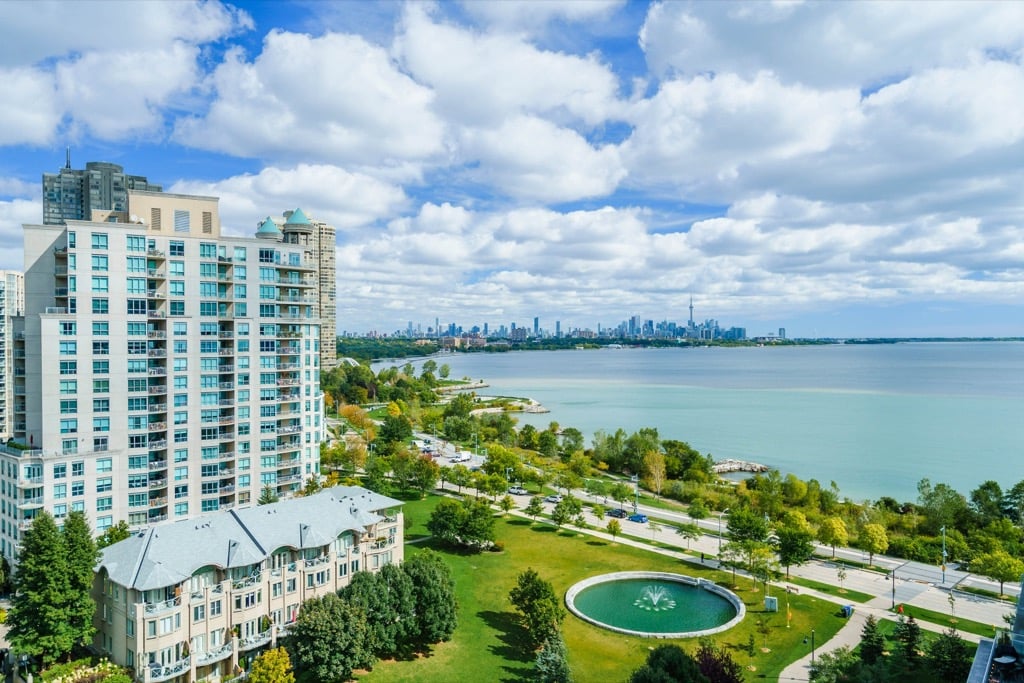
<point>518,491</point>
<point>617,512</point>
<point>637,517</point>
<point>553,498</point>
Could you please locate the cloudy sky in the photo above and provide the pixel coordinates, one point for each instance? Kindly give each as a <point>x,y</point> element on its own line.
<point>837,169</point>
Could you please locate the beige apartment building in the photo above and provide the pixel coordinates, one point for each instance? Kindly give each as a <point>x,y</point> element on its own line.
<point>162,370</point>
<point>198,600</point>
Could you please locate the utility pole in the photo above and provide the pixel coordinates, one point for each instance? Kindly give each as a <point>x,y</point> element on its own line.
<point>943,554</point>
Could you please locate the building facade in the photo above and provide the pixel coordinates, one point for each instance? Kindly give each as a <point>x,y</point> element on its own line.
<point>162,370</point>
<point>295,227</point>
<point>12,305</point>
<point>203,614</point>
<point>73,194</point>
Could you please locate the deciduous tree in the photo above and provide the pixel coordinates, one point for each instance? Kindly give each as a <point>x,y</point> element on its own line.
<point>328,641</point>
<point>536,601</point>
<point>998,565</point>
<point>833,532</point>
<point>534,508</point>
<point>873,539</point>
<point>273,666</point>
<point>436,608</point>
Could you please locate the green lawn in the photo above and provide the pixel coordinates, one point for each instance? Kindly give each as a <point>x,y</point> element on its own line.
<point>844,594</point>
<point>947,620</point>
<point>488,643</point>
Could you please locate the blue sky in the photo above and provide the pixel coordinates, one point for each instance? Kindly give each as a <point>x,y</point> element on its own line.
<point>838,169</point>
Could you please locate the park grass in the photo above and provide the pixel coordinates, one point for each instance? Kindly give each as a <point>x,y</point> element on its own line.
<point>992,595</point>
<point>946,620</point>
<point>489,643</point>
<point>845,594</point>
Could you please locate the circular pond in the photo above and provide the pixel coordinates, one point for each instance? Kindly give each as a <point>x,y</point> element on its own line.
<point>655,604</point>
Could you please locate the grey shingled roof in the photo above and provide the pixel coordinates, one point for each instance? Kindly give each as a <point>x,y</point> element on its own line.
<point>168,554</point>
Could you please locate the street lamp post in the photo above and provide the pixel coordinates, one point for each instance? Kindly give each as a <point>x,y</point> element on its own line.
<point>894,589</point>
<point>507,470</point>
<point>812,646</point>
<point>720,529</point>
<point>943,554</point>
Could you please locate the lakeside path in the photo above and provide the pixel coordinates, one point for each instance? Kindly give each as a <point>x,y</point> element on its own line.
<point>908,592</point>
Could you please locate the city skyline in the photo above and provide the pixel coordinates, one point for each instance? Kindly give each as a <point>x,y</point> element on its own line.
<point>575,161</point>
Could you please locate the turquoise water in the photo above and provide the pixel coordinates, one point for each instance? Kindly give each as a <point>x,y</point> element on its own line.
<point>874,419</point>
<point>668,607</point>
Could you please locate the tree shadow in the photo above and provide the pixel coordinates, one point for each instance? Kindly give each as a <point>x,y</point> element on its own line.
<point>513,647</point>
<point>597,542</point>
<point>519,522</point>
<point>545,529</point>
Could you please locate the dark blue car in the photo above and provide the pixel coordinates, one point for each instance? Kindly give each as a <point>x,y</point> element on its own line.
<point>617,512</point>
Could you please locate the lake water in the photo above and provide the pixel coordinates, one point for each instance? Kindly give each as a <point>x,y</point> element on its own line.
<point>873,418</point>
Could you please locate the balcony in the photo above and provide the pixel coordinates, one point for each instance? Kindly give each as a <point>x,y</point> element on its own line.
<point>159,483</point>
<point>157,372</point>
<point>155,273</point>
<point>157,464</point>
<point>226,334</point>
<point>254,641</point>
<point>215,655</point>
<point>154,253</point>
<point>226,352</point>
<point>158,389</point>
<point>157,407</point>
<point>156,314</point>
<point>153,294</point>
<point>158,502</point>
<point>226,368</point>
<point>34,502</point>
<point>156,334</point>
<point>165,606</point>
<point>159,673</point>
<point>157,426</point>
<point>227,385</point>
<point>156,353</point>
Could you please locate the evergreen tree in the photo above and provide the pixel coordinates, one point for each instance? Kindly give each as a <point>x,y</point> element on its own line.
<point>267,496</point>
<point>949,657</point>
<point>433,592</point>
<point>668,664</point>
<point>552,664</point>
<point>82,556</point>
<point>872,642</point>
<point>38,619</point>
<point>273,666</point>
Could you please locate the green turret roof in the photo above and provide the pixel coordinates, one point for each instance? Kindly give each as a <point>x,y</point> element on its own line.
<point>298,217</point>
<point>268,227</point>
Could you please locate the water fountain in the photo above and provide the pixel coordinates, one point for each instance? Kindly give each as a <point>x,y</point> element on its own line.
<point>645,604</point>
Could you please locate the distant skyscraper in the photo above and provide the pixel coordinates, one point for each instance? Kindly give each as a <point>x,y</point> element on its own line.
<point>782,333</point>
<point>558,329</point>
<point>536,327</point>
<point>12,304</point>
<point>73,194</point>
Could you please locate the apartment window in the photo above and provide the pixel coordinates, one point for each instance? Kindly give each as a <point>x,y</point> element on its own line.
<point>68,367</point>
<point>100,262</point>
<point>68,328</point>
<point>208,309</point>
<point>60,511</point>
<point>136,348</point>
<point>104,504</point>
<point>78,469</point>
<point>210,506</point>
<point>180,435</point>
<point>199,613</point>
<point>138,500</point>
<point>99,240</point>
<point>180,346</point>
<point>68,348</point>
<point>100,284</point>
<point>215,608</point>
<point>177,268</point>
<point>68,406</point>
<point>100,329</point>
<point>137,441</point>
<point>105,484</point>
<point>60,471</point>
<point>69,425</point>
<point>101,367</point>
<point>207,289</point>
<point>247,600</point>
<point>177,308</point>
<point>180,329</point>
<point>103,523</point>
<point>60,491</point>
<point>137,462</point>
<point>180,400</point>
<point>101,306</point>
<point>137,365</point>
<point>240,272</point>
<point>180,473</point>
<point>136,243</point>
<point>136,329</point>
<point>181,491</point>
<point>104,465</point>
<point>136,307</point>
<point>180,455</point>
<point>180,417</point>
<point>177,287</point>
<point>101,348</point>
<point>292,585</point>
<point>136,264</point>
<point>207,250</point>
<point>101,405</point>
<point>181,509</point>
<point>78,488</point>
